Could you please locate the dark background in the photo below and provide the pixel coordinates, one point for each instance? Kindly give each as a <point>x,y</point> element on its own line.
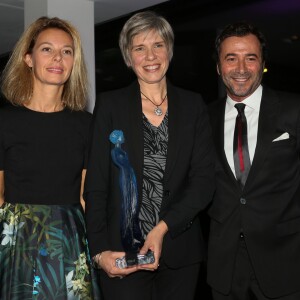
<point>196,24</point>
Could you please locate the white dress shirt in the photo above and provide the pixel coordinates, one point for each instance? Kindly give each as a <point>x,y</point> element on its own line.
<point>252,113</point>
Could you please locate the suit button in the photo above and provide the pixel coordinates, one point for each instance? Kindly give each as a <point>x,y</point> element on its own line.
<point>243,201</point>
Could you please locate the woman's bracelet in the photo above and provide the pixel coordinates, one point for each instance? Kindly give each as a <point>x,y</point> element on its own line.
<point>97,260</point>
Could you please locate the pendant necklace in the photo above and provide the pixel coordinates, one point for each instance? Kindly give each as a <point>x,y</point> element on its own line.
<point>157,110</point>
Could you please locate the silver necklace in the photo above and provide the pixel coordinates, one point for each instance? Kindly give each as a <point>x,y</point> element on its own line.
<point>157,110</point>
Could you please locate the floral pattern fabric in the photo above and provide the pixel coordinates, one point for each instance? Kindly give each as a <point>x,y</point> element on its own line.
<point>44,253</point>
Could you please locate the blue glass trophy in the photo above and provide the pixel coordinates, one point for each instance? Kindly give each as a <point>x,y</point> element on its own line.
<point>131,235</point>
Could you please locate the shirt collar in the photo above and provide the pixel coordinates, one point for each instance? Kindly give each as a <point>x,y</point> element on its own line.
<point>253,101</point>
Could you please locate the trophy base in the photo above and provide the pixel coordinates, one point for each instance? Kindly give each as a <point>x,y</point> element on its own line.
<point>133,259</point>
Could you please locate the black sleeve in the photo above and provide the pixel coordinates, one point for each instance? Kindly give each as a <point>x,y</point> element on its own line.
<point>96,189</point>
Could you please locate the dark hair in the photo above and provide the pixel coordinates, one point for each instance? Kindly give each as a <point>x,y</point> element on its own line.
<point>240,29</point>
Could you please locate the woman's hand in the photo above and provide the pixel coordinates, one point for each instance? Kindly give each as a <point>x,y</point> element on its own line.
<point>107,262</point>
<point>154,242</point>
<point>1,188</point>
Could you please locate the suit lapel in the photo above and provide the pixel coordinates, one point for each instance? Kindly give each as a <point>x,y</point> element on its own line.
<point>266,132</point>
<point>134,139</point>
<point>174,130</point>
<point>218,126</point>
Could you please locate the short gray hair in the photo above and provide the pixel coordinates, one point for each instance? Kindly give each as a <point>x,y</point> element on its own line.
<point>144,22</point>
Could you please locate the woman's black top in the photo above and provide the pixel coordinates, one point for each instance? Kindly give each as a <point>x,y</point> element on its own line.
<point>43,154</point>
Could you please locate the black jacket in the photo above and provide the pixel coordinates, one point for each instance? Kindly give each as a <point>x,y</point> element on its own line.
<point>270,212</point>
<point>188,180</point>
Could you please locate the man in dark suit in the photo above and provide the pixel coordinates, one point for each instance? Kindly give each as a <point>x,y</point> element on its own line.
<point>254,243</point>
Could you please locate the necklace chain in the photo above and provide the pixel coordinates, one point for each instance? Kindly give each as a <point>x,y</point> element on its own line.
<point>158,111</point>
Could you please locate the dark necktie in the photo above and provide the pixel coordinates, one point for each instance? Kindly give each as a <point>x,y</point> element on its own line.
<point>241,156</point>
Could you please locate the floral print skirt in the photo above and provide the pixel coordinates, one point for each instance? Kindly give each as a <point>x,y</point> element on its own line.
<point>44,253</point>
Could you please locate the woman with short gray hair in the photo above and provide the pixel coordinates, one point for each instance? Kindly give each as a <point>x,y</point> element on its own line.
<point>168,146</point>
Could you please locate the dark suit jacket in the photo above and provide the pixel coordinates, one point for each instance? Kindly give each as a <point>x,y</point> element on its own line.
<point>270,218</point>
<point>188,180</point>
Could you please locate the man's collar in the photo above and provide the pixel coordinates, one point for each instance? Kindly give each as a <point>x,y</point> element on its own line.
<point>253,101</point>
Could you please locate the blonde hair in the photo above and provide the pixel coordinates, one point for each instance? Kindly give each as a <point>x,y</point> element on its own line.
<point>17,79</point>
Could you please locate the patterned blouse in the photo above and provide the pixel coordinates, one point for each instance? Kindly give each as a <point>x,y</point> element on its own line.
<point>155,155</point>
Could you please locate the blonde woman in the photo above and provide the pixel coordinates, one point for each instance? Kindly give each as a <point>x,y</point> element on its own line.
<point>43,146</point>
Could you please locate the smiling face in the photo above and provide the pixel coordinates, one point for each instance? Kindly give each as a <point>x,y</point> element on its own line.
<point>149,57</point>
<point>52,58</point>
<point>241,65</point>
